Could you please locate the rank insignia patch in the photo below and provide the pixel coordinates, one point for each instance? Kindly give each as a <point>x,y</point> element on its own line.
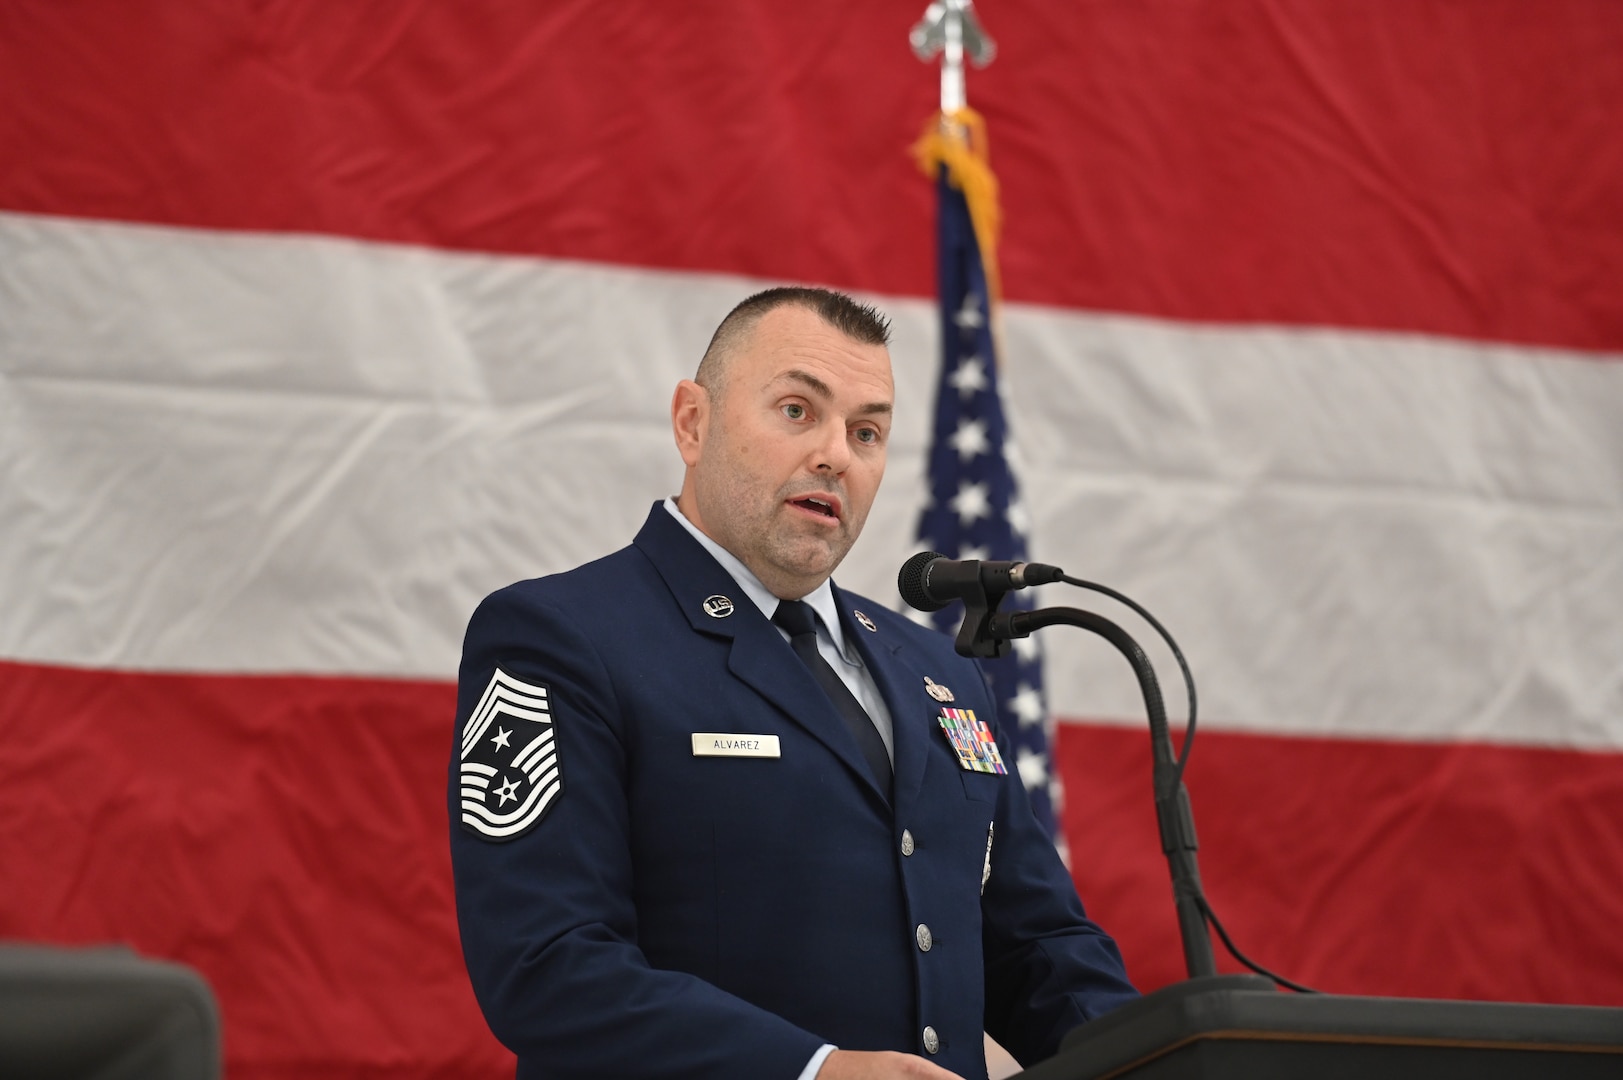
<point>972,741</point>
<point>510,770</point>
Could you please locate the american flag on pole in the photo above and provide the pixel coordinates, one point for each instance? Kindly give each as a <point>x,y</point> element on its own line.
<point>974,509</point>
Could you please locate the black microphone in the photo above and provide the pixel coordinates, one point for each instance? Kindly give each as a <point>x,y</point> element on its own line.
<point>930,581</point>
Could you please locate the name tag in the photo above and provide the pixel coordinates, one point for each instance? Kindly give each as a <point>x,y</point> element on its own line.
<point>720,744</point>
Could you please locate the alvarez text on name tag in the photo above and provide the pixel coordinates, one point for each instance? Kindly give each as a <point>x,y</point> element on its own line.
<point>726,744</point>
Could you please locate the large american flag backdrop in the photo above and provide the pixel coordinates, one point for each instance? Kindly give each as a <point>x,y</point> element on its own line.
<point>320,321</point>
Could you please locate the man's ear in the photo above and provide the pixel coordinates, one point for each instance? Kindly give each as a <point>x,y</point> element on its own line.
<point>690,420</point>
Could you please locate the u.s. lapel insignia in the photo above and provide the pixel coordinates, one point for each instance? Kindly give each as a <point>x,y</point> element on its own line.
<point>509,769</point>
<point>718,606</point>
<point>972,741</point>
<point>867,623</point>
<point>936,690</point>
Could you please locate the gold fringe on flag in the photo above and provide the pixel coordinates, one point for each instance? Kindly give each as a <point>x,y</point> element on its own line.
<point>958,141</point>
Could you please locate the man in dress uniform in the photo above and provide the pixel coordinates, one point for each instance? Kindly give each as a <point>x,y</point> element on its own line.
<point>713,816</point>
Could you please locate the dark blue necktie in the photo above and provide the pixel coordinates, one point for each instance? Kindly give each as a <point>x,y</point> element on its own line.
<point>799,620</point>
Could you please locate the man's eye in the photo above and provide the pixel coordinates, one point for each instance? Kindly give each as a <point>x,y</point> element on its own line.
<point>795,412</point>
<point>867,435</point>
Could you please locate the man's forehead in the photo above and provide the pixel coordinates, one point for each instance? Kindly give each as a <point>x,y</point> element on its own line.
<point>793,345</point>
<point>880,395</point>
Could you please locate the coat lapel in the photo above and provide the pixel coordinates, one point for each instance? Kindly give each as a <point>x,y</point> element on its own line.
<point>759,657</point>
<point>901,684</point>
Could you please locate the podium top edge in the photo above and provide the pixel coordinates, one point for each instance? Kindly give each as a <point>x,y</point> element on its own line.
<point>1248,1008</point>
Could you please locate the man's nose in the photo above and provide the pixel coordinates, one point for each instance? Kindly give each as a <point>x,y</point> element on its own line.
<point>832,451</point>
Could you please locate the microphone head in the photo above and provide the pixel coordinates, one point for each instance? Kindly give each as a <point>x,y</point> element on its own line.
<point>910,582</point>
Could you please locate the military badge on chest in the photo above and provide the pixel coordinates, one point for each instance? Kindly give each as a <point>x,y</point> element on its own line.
<point>509,768</point>
<point>972,741</point>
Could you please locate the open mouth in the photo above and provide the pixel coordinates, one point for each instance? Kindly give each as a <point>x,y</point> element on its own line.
<point>818,505</point>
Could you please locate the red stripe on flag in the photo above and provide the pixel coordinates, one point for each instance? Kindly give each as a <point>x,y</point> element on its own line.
<point>1359,867</point>
<point>284,836</point>
<point>1306,163</point>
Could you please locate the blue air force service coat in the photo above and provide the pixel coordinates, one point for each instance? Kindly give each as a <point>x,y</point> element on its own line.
<point>672,861</point>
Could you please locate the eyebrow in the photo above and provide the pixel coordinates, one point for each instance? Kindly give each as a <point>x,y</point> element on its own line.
<point>823,390</point>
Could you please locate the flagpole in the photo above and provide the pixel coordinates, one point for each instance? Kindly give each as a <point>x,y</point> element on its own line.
<point>954,149</point>
<point>950,29</point>
<point>973,508</point>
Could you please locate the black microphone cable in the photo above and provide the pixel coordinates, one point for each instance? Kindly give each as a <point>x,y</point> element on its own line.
<point>1177,774</point>
<point>1177,654</point>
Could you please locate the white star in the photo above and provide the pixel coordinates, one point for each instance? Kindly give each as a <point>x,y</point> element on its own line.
<point>506,792</point>
<point>1033,769</point>
<point>1027,650</point>
<point>969,440</point>
<point>972,503</point>
<point>968,378</point>
<point>1027,704</point>
<point>968,317</point>
<point>1019,518</point>
<point>979,554</point>
<point>502,735</point>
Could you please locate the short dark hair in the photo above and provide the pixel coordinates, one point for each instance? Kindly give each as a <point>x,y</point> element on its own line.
<point>860,322</point>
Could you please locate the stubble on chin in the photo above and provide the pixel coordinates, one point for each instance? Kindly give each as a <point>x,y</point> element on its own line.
<point>820,555</point>
<point>803,552</point>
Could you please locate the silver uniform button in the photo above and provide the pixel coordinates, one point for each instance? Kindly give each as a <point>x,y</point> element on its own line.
<point>932,1041</point>
<point>923,937</point>
<point>907,842</point>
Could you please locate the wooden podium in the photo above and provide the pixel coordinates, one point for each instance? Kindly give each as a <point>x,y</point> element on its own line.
<point>1229,1027</point>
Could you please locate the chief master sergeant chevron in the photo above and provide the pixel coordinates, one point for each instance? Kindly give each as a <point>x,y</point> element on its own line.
<point>678,851</point>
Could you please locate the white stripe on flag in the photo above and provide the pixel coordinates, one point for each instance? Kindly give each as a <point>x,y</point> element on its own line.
<point>251,453</point>
<point>1350,533</point>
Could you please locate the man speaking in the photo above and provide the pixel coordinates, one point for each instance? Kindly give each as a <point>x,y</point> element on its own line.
<point>712,816</point>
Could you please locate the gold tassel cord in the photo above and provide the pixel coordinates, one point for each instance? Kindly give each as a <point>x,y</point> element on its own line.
<point>957,140</point>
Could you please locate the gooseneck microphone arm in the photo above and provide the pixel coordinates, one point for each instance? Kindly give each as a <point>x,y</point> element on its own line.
<point>929,581</point>
<point>1176,821</point>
